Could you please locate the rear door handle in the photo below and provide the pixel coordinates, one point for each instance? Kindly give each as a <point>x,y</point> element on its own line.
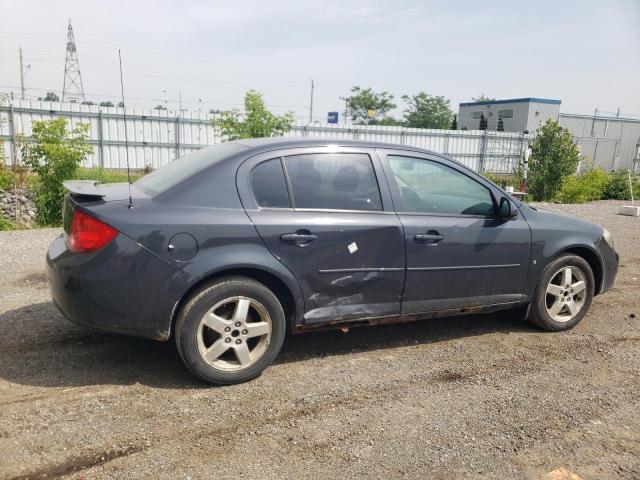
<point>431,238</point>
<point>298,237</point>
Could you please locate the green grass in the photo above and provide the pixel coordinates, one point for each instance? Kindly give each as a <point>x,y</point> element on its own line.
<point>6,225</point>
<point>32,182</point>
<point>106,176</point>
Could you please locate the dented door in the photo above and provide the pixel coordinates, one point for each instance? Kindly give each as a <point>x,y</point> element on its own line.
<point>354,268</point>
<point>349,263</point>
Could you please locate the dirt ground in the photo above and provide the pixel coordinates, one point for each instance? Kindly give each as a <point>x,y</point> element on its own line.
<point>482,396</point>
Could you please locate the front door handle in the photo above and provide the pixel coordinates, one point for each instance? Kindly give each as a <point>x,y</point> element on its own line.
<point>431,237</point>
<point>298,237</point>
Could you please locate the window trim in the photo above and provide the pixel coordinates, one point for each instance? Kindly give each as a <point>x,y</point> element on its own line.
<point>397,196</point>
<point>245,166</point>
<point>331,210</point>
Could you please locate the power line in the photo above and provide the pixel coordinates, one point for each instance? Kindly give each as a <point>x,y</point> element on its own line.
<point>154,99</point>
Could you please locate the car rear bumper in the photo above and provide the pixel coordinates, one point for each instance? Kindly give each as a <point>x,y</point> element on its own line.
<point>122,288</point>
<point>610,262</point>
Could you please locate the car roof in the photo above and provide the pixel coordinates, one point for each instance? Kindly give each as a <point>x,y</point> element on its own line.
<point>274,143</point>
<point>266,144</point>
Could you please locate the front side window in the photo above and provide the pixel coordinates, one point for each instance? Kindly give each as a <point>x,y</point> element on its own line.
<point>269,186</point>
<point>505,113</point>
<point>429,187</point>
<point>477,115</point>
<point>333,181</point>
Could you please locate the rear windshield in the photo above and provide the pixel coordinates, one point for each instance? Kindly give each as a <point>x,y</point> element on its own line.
<point>175,172</point>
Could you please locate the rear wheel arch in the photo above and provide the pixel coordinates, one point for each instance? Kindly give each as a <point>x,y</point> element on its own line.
<point>279,288</point>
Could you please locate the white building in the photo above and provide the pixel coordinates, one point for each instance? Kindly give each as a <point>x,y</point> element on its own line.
<point>518,114</point>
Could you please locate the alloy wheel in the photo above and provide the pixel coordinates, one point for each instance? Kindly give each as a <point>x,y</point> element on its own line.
<point>234,334</point>
<point>566,294</point>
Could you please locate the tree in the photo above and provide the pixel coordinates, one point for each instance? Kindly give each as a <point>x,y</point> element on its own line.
<point>108,103</point>
<point>54,154</point>
<point>427,111</point>
<point>500,126</point>
<point>483,122</point>
<point>158,107</point>
<point>367,107</point>
<point>50,97</point>
<point>554,157</point>
<point>454,123</point>
<point>256,122</point>
<point>483,98</point>
<point>121,104</point>
<point>87,102</point>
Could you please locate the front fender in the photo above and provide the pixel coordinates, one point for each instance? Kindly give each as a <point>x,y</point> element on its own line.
<point>553,235</point>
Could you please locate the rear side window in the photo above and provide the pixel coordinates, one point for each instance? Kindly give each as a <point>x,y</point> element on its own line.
<point>179,170</point>
<point>269,186</point>
<point>333,181</point>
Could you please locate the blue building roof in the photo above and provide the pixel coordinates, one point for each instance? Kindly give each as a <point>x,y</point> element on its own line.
<point>513,100</point>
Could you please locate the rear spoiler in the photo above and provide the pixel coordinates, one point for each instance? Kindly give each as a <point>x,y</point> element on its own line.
<point>84,188</point>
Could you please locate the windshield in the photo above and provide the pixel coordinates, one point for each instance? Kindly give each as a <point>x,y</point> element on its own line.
<point>175,172</point>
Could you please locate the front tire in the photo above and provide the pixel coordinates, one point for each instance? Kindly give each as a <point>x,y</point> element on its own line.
<point>230,330</point>
<point>564,293</point>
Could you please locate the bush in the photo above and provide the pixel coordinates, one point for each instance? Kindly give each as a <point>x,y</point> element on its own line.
<point>54,154</point>
<point>6,179</point>
<point>618,186</point>
<point>587,187</point>
<point>554,157</point>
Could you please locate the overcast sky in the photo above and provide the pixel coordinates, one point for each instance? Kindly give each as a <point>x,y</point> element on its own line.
<point>585,53</point>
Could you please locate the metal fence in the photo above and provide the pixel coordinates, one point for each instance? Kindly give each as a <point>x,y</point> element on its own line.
<point>157,137</point>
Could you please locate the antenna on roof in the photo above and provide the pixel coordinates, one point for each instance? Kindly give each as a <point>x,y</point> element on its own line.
<point>126,140</point>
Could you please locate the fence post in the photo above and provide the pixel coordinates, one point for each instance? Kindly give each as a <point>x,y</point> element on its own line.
<point>177,137</point>
<point>12,132</point>
<point>100,139</point>
<point>402,133</point>
<point>483,150</point>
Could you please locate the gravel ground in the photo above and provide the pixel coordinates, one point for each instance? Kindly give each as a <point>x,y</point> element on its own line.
<point>483,396</point>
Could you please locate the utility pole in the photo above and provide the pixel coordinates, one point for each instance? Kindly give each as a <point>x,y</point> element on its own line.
<point>311,104</point>
<point>22,72</point>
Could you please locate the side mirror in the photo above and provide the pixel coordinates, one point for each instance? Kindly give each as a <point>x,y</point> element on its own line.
<point>506,209</point>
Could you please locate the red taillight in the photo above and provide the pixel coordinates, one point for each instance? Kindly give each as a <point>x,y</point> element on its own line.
<point>88,234</point>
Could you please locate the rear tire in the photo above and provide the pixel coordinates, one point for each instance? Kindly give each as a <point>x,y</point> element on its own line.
<point>230,330</point>
<point>564,293</point>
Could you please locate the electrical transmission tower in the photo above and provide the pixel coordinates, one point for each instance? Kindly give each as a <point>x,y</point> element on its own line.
<point>72,90</point>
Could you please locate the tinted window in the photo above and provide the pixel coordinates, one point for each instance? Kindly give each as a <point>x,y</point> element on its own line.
<point>340,181</point>
<point>269,186</point>
<point>175,172</point>
<point>430,187</point>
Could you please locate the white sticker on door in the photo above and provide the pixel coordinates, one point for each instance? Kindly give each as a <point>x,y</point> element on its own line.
<point>353,247</point>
